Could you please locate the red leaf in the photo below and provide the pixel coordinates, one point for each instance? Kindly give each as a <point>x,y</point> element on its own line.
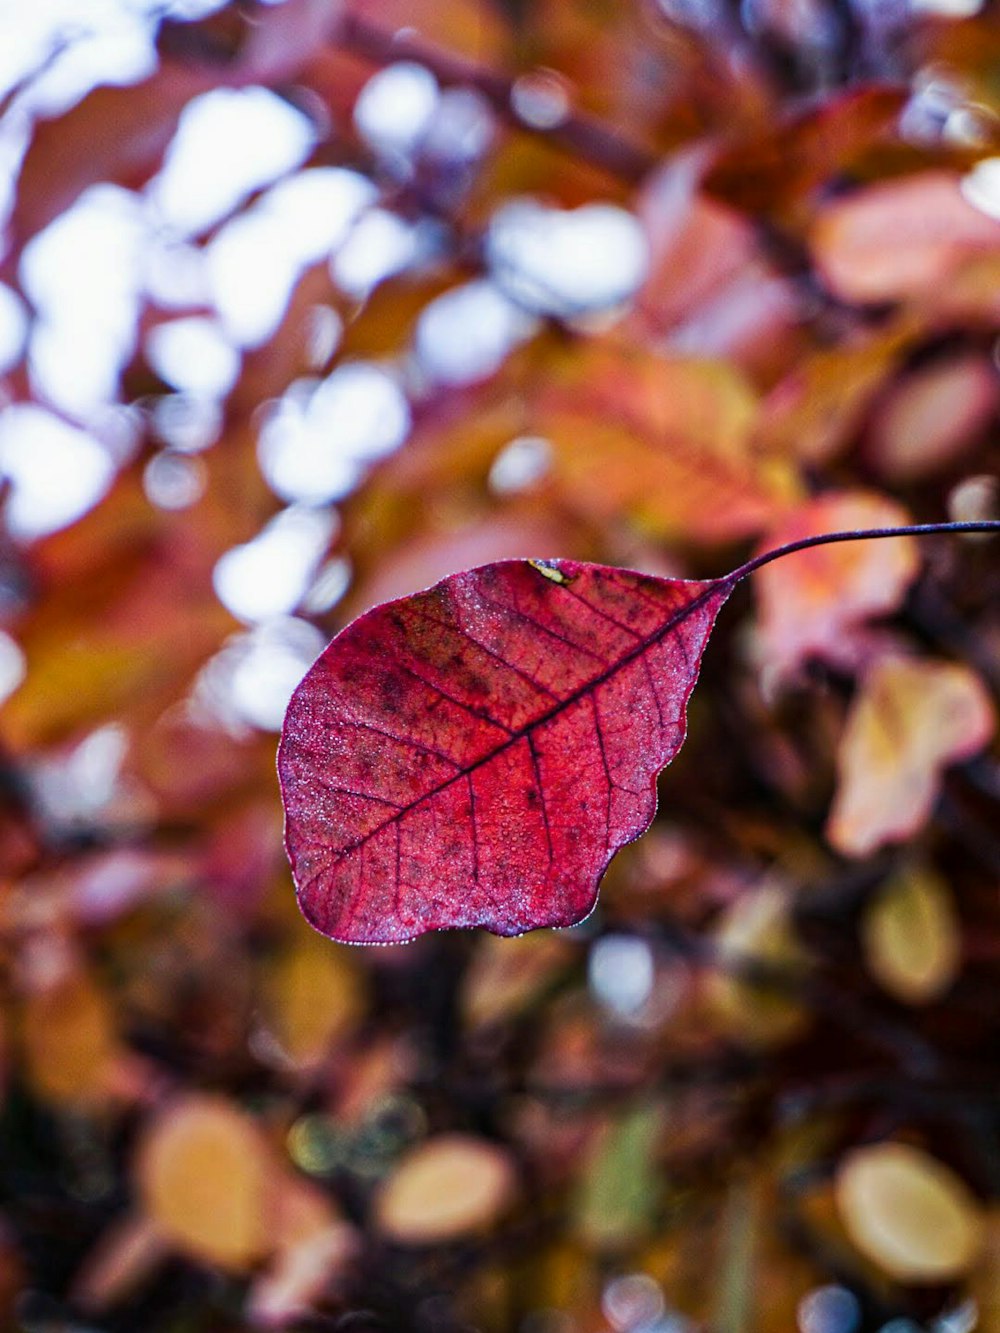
<point>476,754</point>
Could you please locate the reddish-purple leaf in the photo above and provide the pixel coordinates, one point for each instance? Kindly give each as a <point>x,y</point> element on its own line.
<point>475,755</point>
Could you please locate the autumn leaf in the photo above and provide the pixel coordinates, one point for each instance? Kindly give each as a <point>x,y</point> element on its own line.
<point>910,935</point>
<point>900,238</point>
<point>809,606</point>
<point>909,721</point>
<point>212,1116</point>
<point>666,441</point>
<point>476,754</point>
<point>204,1173</point>
<point>931,416</point>
<point>311,1245</point>
<point>908,1212</point>
<point>448,1187</point>
<point>315,997</point>
<point>813,412</point>
<point>777,172</point>
<point>69,1040</point>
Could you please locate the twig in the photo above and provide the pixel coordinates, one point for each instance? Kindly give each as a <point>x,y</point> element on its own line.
<point>866,534</point>
<point>584,136</point>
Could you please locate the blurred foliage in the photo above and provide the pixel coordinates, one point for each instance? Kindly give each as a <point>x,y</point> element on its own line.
<point>756,1090</point>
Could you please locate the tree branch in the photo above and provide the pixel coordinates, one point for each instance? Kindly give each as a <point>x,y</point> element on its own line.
<point>577,133</point>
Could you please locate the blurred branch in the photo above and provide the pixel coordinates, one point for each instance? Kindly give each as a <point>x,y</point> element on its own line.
<point>577,133</point>
<point>914,1055</point>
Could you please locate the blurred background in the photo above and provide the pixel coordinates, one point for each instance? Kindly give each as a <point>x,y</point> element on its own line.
<point>306,304</point>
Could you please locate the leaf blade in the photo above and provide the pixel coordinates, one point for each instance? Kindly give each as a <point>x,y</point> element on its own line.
<point>492,741</point>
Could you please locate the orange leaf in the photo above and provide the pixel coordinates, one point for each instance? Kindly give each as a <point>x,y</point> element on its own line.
<point>204,1176</point>
<point>909,720</point>
<point>899,238</point>
<point>665,440</point>
<point>816,409</point>
<point>931,416</point>
<point>445,1188</point>
<point>808,602</point>
<point>69,1040</point>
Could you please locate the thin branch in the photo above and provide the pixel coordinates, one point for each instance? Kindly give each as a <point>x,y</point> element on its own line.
<point>584,136</point>
<point>866,534</point>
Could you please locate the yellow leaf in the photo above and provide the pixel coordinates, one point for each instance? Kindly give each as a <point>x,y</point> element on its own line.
<point>908,1213</point>
<point>909,720</point>
<point>445,1188</point>
<point>755,931</point>
<point>315,996</point>
<point>69,1040</point>
<point>203,1171</point>
<point>910,935</point>
<point>505,974</point>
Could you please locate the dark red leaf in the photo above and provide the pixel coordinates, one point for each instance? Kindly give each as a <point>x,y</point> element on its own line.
<point>475,755</point>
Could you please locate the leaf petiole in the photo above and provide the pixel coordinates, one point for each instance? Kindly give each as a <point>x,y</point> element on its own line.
<point>869,534</point>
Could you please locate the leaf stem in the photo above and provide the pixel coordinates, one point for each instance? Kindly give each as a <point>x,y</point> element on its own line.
<point>865,534</point>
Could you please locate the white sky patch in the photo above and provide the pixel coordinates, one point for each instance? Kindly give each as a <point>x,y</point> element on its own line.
<point>83,274</point>
<point>193,355</point>
<point>633,1303</point>
<point>461,128</point>
<point>255,260</point>
<point>56,472</point>
<point>380,245</point>
<point>318,207</point>
<point>329,586</point>
<point>395,109</point>
<point>13,328</point>
<point>12,666</point>
<point>466,333</point>
<point>190,9</point>
<point>103,41</point>
<point>948,9</point>
<point>270,575</point>
<point>228,144</point>
<point>829,1309</point>
<point>325,329</point>
<point>186,422</point>
<point>540,99</point>
<point>250,682</point>
<point>175,274</point>
<point>174,481</point>
<point>566,263</point>
<point>981,187</point>
<point>520,464</point>
<point>75,787</point>
<point>124,54</point>
<point>15,134</point>
<point>252,270</point>
<point>316,444</point>
<point>620,973</point>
